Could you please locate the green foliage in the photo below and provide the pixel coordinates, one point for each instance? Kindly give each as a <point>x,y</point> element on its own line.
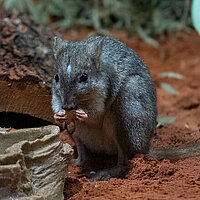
<point>142,17</point>
<point>168,88</point>
<point>196,14</point>
<point>171,75</point>
<point>19,5</point>
<point>165,121</point>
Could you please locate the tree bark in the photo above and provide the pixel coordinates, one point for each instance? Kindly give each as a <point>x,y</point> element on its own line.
<point>26,66</point>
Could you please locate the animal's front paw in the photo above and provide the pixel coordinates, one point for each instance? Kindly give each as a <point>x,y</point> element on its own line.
<point>102,175</point>
<point>60,118</point>
<point>105,174</point>
<point>81,115</point>
<point>66,119</point>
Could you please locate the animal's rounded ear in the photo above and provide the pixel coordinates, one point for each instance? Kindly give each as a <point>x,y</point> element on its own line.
<point>58,44</point>
<point>94,48</point>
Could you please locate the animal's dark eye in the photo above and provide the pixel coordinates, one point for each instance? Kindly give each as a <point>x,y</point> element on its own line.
<point>56,78</point>
<point>83,77</point>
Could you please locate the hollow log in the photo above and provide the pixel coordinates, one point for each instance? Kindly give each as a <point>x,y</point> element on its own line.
<point>26,66</point>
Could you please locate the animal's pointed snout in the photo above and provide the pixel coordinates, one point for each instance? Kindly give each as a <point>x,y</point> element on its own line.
<point>68,106</point>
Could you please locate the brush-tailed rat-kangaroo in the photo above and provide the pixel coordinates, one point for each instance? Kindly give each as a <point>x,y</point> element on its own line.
<point>113,94</point>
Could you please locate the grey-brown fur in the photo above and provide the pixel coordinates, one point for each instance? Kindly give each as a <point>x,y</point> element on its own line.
<point>119,98</point>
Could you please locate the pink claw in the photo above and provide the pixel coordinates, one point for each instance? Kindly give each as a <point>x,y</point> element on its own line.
<point>81,115</point>
<point>60,118</point>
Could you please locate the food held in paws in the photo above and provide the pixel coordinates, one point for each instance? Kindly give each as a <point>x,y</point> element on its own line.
<point>70,116</point>
<point>70,120</point>
<point>66,119</point>
<point>66,116</point>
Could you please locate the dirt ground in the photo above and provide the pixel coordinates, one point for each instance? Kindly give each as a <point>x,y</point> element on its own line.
<point>146,177</point>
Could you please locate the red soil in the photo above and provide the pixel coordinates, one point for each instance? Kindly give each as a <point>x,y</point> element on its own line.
<point>148,178</point>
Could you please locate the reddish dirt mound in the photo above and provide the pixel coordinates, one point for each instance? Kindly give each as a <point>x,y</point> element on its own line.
<point>148,178</point>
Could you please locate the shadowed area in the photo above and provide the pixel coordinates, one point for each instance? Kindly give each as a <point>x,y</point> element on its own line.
<point>18,120</point>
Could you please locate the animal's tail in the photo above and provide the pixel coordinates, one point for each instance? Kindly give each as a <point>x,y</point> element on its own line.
<point>175,153</point>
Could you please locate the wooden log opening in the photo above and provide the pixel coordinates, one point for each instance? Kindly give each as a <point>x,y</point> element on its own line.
<point>25,98</point>
<point>26,70</point>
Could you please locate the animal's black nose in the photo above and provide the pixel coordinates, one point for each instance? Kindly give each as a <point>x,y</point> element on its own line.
<point>68,106</point>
